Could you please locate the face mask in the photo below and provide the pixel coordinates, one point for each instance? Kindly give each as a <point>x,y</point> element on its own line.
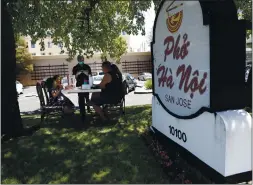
<point>80,63</point>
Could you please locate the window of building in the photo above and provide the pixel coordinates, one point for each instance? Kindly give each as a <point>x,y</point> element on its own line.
<point>49,53</point>
<point>60,45</point>
<point>26,44</point>
<point>33,54</point>
<point>49,44</point>
<point>32,45</point>
<point>123,33</point>
<point>43,53</point>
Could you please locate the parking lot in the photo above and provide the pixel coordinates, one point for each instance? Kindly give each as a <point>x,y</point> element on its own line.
<point>30,102</point>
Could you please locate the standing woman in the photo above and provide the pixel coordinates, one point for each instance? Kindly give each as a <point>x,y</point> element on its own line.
<point>82,72</point>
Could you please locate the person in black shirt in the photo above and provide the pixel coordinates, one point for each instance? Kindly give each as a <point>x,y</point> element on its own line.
<point>111,86</point>
<point>82,72</point>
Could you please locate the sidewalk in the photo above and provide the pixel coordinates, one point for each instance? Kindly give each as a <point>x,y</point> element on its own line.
<point>142,90</point>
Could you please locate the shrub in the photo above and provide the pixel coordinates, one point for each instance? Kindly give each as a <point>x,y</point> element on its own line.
<point>148,84</point>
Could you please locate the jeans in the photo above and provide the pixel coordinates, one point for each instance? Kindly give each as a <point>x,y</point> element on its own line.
<point>82,97</point>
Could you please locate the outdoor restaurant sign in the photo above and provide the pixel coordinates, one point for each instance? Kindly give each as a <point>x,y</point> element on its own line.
<point>181,58</point>
<point>197,102</point>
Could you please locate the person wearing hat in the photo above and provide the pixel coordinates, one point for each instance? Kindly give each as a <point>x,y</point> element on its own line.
<point>82,72</point>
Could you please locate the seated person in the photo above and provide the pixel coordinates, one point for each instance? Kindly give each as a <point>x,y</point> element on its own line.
<point>54,88</point>
<point>111,86</point>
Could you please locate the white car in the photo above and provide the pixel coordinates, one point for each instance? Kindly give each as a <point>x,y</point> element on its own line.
<point>97,79</point>
<point>144,76</point>
<point>19,87</point>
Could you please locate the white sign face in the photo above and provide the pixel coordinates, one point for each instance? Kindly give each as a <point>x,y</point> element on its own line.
<point>181,58</point>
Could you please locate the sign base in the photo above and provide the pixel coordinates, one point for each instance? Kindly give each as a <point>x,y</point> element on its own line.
<point>221,140</point>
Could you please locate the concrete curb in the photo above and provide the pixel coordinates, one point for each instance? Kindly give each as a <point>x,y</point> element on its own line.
<point>143,92</point>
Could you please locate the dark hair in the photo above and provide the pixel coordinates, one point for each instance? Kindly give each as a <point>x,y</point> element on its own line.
<point>80,57</point>
<point>55,77</point>
<point>106,64</point>
<point>116,70</point>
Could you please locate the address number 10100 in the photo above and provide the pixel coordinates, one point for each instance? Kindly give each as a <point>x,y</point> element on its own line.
<point>178,133</point>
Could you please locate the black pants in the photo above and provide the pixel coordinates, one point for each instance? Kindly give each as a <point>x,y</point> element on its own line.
<point>82,97</point>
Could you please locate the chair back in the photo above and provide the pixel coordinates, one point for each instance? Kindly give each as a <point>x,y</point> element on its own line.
<point>122,92</point>
<point>40,94</point>
<point>43,85</point>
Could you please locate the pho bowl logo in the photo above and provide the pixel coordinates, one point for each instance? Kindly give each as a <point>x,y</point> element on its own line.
<point>174,16</point>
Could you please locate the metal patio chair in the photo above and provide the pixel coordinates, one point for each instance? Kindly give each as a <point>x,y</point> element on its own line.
<point>47,106</point>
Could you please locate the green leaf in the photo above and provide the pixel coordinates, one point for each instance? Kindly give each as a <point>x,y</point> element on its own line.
<point>23,57</point>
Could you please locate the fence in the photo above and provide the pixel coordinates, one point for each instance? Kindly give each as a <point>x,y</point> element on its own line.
<point>95,67</point>
<point>41,72</point>
<point>136,67</point>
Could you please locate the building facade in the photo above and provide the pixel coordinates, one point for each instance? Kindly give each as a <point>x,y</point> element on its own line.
<point>134,44</point>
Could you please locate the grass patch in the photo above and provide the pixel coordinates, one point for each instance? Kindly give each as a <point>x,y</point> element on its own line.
<point>60,153</point>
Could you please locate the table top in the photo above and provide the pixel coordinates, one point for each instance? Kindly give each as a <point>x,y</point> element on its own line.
<point>79,90</point>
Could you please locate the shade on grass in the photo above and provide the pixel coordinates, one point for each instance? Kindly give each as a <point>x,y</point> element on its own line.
<point>59,153</point>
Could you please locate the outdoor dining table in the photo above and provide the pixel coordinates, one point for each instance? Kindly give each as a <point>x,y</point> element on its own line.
<point>79,90</point>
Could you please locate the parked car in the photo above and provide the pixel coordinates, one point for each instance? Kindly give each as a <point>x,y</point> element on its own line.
<point>97,79</point>
<point>19,87</point>
<point>132,77</point>
<point>144,76</point>
<point>128,82</point>
<point>100,73</point>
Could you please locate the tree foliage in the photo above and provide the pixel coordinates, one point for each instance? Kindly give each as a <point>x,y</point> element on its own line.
<point>23,57</point>
<point>246,11</point>
<point>61,20</point>
<point>115,49</point>
<point>246,7</point>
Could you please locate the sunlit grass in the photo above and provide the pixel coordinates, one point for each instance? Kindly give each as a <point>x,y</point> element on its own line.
<point>11,180</point>
<point>60,153</point>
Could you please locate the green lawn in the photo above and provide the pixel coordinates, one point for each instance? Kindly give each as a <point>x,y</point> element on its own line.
<point>59,153</point>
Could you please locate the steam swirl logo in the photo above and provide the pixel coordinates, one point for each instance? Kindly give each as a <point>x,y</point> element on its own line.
<point>174,20</point>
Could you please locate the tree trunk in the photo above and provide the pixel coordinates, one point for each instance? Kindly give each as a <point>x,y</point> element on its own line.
<point>11,119</point>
